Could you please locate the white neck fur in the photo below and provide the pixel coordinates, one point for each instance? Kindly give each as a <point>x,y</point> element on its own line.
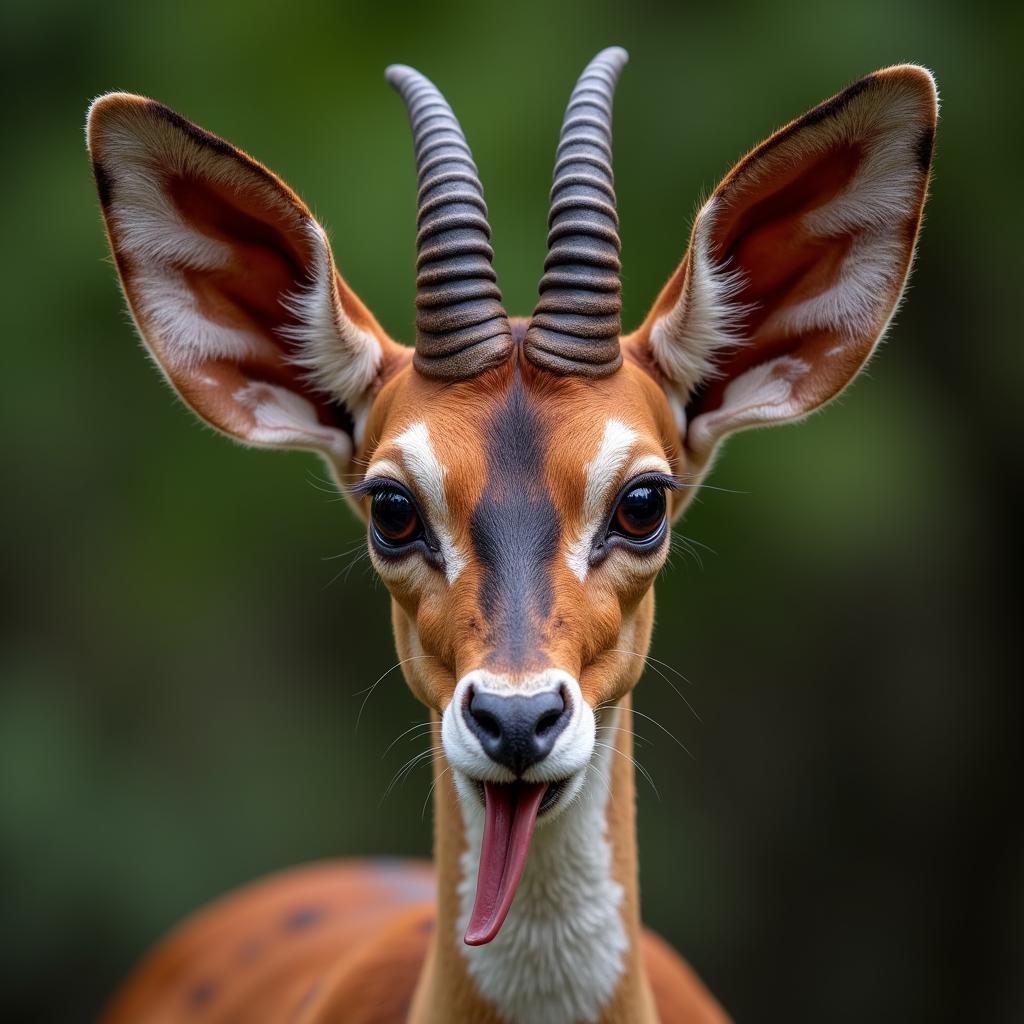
<point>561,952</point>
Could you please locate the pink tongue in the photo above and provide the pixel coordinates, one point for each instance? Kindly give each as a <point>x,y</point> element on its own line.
<point>510,817</point>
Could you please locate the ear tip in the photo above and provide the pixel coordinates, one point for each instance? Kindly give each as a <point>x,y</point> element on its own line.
<point>912,71</point>
<point>110,101</point>
<point>105,109</point>
<point>914,78</point>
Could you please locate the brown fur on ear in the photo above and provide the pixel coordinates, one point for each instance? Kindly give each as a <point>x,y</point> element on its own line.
<point>232,284</point>
<point>797,261</point>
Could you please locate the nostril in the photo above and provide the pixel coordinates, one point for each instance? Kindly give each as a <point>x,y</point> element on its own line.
<point>548,721</point>
<point>555,716</point>
<point>483,717</point>
<point>488,724</point>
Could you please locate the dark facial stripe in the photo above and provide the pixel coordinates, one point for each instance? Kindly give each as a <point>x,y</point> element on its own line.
<point>515,531</point>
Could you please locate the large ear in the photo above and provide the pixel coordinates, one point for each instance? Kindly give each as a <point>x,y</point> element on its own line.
<point>232,284</point>
<point>796,263</point>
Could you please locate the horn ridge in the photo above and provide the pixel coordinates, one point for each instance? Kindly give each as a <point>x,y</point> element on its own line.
<point>462,328</point>
<point>576,324</point>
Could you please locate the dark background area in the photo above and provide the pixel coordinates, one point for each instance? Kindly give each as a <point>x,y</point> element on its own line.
<point>183,653</point>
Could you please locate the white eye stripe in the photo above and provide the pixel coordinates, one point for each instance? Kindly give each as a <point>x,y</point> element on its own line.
<point>424,474</point>
<point>602,472</point>
<point>605,472</point>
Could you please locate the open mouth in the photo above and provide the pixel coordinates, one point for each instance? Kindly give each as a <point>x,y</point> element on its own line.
<point>510,814</point>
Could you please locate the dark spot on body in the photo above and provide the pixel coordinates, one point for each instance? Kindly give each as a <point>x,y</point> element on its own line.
<point>515,531</point>
<point>427,926</point>
<point>303,918</point>
<point>202,994</point>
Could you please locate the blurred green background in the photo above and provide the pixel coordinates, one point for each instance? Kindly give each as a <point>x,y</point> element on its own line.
<point>183,652</point>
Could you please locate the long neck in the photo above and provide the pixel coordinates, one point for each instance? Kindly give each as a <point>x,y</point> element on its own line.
<point>569,951</point>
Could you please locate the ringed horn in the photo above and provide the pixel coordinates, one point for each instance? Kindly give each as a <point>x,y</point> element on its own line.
<point>462,328</point>
<point>576,325</point>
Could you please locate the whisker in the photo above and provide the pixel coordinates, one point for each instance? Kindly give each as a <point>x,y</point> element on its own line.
<point>437,779</point>
<point>344,554</point>
<point>636,764</point>
<point>604,778</point>
<point>346,569</point>
<point>681,481</point>
<point>369,690</point>
<point>322,485</point>
<point>698,543</point>
<point>363,555</point>
<point>654,664</point>
<point>421,726</point>
<point>681,544</point>
<point>671,668</point>
<point>671,735</point>
<point>414,762</point>
<point>629,732</point>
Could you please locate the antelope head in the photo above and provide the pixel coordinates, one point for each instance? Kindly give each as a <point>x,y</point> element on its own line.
<point>519,477</point>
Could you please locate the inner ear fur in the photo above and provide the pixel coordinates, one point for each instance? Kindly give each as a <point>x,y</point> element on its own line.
<point>232,283</point>
<point>797,262</point>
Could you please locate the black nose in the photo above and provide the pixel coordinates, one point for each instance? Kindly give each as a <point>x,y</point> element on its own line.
<point>517,731</point>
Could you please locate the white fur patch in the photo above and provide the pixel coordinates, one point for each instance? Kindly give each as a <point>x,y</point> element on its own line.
<point>761,394</point>
<point>604,473</point>
<point>561,953</point>
<point>427,474</point>
<point>341,359</point>
<point>686,340</point>
<point>285,419</point>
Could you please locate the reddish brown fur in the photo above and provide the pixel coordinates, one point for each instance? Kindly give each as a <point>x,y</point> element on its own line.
<point>359,962</point>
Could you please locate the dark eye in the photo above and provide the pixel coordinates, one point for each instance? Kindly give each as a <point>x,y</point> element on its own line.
<point>395,518</point>
<point>640,512</point>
